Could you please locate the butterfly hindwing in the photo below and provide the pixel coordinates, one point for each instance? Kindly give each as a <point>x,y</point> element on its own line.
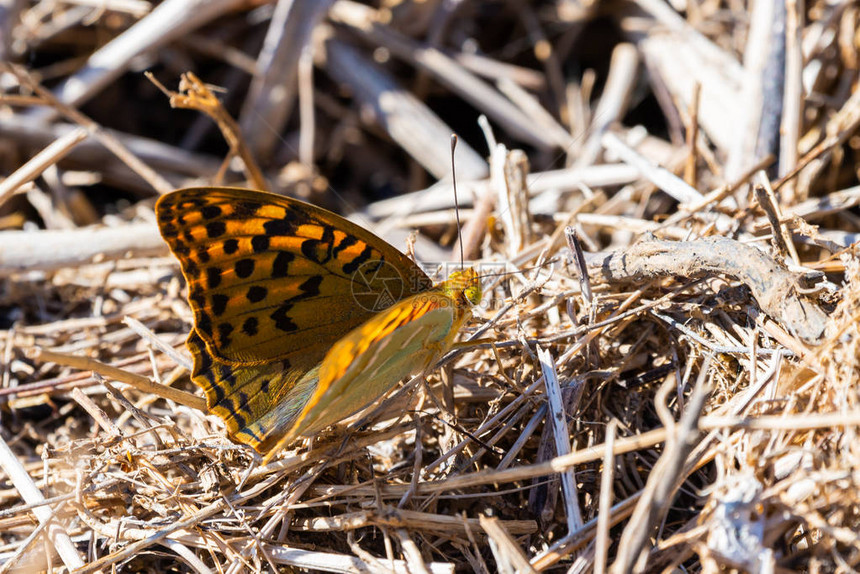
<point>367,362</point>
<point>245,396</point>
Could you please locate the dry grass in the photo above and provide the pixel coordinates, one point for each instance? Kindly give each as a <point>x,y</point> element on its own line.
<point>690,401</point>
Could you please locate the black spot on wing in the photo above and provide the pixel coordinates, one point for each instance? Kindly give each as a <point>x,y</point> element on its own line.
<point>234,412</point>
<point>219,394</point>
<point>279,227</point>
<point>219,303</point>
<point>347,241</point>
<point>203,360</point>
<point>282,319</point>
<point>196,296</point>
<point>309,249</point>
<point>213,277</point>
<point>203,255</point>
<point>250,326</point>
<point>256,293</point>
<point>243,402</point>
<point>191,269</point>
<point>168,230</point>
<point>210,212</point>
<point>248,431</point>
<point>320,250</point>
<point>224,331</point>
<point>260,243</point>
<point>244,268</point>
<point>281,264</point>
<point>248,208</point>
<point>227,380</point>
<point>203,323</point>
<point>215,229</point>
<point>352,266</point>
<point>231,246</point>
<point>311,287</point>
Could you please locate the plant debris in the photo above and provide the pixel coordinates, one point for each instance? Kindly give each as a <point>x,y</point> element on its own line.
<point>662,199</point>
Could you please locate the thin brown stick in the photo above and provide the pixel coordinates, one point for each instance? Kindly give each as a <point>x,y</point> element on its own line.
<point>142,384</point>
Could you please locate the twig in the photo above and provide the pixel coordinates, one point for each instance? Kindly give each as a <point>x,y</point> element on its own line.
<point>145,333</point>
<point>407,120</point>
<point>622,445</point>
<point>601,550</point>
<point>613,101</point>
<point>781,236</point>
<point>774,288</point>
<point>22,251</point>
<point>575,247</point>
<point>531,106</point>
<point>682,57</point>
<point>446,70</point>
<point>508,179</point>
<point>195,95</point>
<point>659,176</point>
<point>692,137</point>
<point>168,21</point>
<point>508,554</point>
<point>792,113</point>
<point>25,544</point>
<point>98,414</point>
<point>440,196</point>
<point>172,162</point>
<point>142,384</point>
<point>576,540</point>
<point>41,161</point>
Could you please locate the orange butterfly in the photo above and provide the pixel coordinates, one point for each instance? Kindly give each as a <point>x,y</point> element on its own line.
<point>301,317</point>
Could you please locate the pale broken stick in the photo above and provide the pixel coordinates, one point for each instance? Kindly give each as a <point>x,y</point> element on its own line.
<point>441,196</point>
<point>51,250</point>
<point>274,87</point>
<point>30,494</point>
<point>774,288</point>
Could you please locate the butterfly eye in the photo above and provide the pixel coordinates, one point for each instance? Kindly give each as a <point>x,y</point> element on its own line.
<point>473,294</point>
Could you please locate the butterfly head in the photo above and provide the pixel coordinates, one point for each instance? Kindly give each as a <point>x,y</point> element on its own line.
<point>464,286</point>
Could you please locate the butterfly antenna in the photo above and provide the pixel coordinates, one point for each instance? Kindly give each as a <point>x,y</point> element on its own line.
<point>456,202</point>
<point>543,265</point>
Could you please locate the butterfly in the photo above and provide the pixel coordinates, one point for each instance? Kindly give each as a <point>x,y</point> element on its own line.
<point>301,317</point>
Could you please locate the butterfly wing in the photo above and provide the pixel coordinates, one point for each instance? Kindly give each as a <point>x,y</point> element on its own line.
<point>390,346</point>
<point>273,282</point>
